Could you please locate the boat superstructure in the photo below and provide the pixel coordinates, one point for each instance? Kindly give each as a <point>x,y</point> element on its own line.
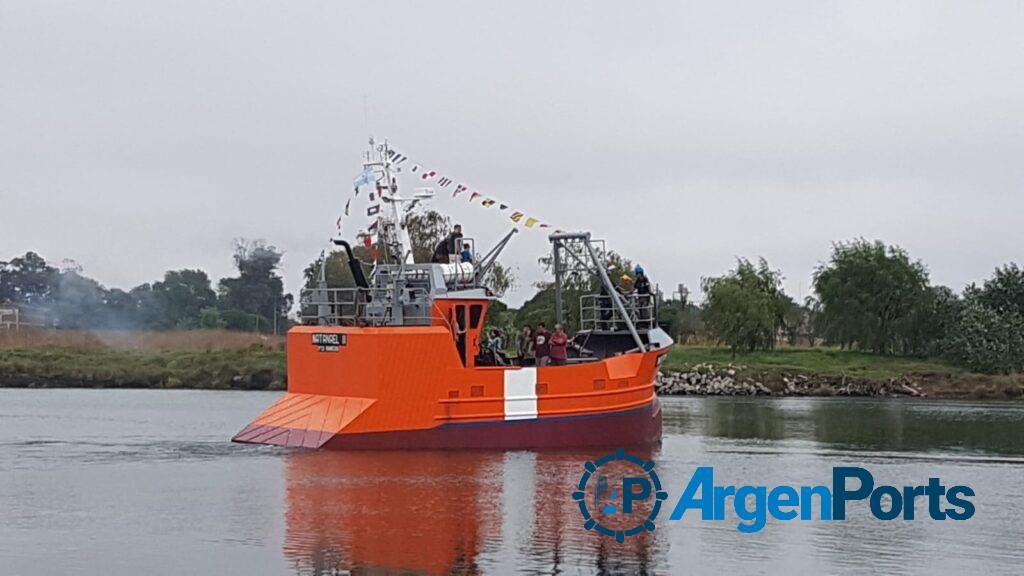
<point>400,360</point>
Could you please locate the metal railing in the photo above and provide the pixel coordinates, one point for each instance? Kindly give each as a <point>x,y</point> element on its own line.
<point>360,307</point>
<point>599,313</point>
<point>333,305</point>
<point>342,306</point>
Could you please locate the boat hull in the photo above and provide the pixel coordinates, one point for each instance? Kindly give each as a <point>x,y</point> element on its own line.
<point>639,426</point>
<point>408,389</point>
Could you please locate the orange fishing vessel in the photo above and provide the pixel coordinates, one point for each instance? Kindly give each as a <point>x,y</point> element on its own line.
<point>400,361</point>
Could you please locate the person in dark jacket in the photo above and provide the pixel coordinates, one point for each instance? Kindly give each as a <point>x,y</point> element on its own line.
<point>641,284</point>
<point>541,346</point>
<point>643,294</point>
<point>451,245</point>
<point>604,304</point>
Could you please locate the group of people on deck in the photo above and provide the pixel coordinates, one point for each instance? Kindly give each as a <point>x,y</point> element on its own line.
<point>638,290</point>
<point>452,249</point>
<point>538,347</point>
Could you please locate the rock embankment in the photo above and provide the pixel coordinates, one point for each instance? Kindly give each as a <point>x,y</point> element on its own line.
<point>709,380</point>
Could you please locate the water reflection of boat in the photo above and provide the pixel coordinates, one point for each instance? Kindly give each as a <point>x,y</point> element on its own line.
<point>400,360</point>
<point>441,512</point>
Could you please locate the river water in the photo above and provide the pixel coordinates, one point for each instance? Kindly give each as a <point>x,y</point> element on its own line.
<point>146,482</point>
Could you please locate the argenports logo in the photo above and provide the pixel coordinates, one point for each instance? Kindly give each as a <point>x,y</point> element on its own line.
<point>626,478</point>
<point>620,496</point>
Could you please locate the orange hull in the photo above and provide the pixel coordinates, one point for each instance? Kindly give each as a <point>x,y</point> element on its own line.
<point>408,387</point>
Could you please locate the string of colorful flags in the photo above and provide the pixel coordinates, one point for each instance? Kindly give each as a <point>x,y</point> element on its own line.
<point>379,194</point>
<point>425,175</point>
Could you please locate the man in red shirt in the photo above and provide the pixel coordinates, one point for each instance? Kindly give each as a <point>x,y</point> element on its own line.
<point>559,341</point>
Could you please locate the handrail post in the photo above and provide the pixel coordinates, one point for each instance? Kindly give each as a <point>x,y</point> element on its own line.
<point>614,294</point>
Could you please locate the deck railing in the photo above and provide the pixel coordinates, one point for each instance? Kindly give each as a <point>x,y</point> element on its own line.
<point>338,306</point>
<point>358,307</point>
<point>599,313</point>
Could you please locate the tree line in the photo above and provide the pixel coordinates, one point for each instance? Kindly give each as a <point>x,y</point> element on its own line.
<point>871,297</point>
<point>252,300</point>
<point>868,296</point>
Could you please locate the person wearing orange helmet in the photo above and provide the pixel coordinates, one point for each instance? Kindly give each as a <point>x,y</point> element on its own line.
<point>625,285</point>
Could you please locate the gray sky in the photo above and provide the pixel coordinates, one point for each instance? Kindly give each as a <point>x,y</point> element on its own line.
<point>137,137</point>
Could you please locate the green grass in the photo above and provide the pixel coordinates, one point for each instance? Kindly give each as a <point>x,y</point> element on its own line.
<point>809,361</point>
<point>254,367</point>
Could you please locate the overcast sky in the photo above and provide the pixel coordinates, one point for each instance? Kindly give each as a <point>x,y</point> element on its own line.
<point>138,137</point>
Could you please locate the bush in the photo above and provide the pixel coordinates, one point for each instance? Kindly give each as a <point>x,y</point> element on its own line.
<point>983,340</point>
<point>210,319</point>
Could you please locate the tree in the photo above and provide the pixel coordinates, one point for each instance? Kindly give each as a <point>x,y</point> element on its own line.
<point>684,319</point>
<point>426,229</point>
<point>814,323</point>
<point>922,331</point>
<point>868,291</point>
<point>338,274</point>
<point>745,308</point>
<point>210,319</point>
<point>255,299</point>
<point>148,310</point>
<point>1004,292</point>
<point>27,280</point>
<point>78,301</point>
<point>499,279</point>
<point>795,320</point>
<point>181,296</point>
<point>985,341</point>
<point>987,334</point>
<point>541,307</point>
<point>120,310</point>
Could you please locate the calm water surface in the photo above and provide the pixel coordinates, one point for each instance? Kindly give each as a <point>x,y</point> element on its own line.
<point>146,482</point>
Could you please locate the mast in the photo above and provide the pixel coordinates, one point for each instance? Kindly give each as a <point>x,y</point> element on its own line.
<point>397,203</point>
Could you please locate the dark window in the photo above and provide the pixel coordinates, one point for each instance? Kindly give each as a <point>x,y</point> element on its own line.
<point>475,312</point>
<point>460,317</point>
<point>460,342</point>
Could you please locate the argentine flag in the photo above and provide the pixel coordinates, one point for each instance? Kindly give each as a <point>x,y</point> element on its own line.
<point>366,177</point>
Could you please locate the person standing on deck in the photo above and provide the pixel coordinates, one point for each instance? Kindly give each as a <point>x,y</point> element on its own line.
<point>625,290</point>
<point>495,342</point>
<point>559,343</point>
<point>604,305</point>
<point>525,346</point>
<point>642,285</point>
<point>450,246</point>
<point>625,286</point>
<point>541,346</point>
<point>643,294</point>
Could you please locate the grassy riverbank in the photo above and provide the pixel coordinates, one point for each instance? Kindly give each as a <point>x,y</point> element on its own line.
<point>816,361</point>
<point>934,377</point>
<point>212,359</point>
<point>260,369</point>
